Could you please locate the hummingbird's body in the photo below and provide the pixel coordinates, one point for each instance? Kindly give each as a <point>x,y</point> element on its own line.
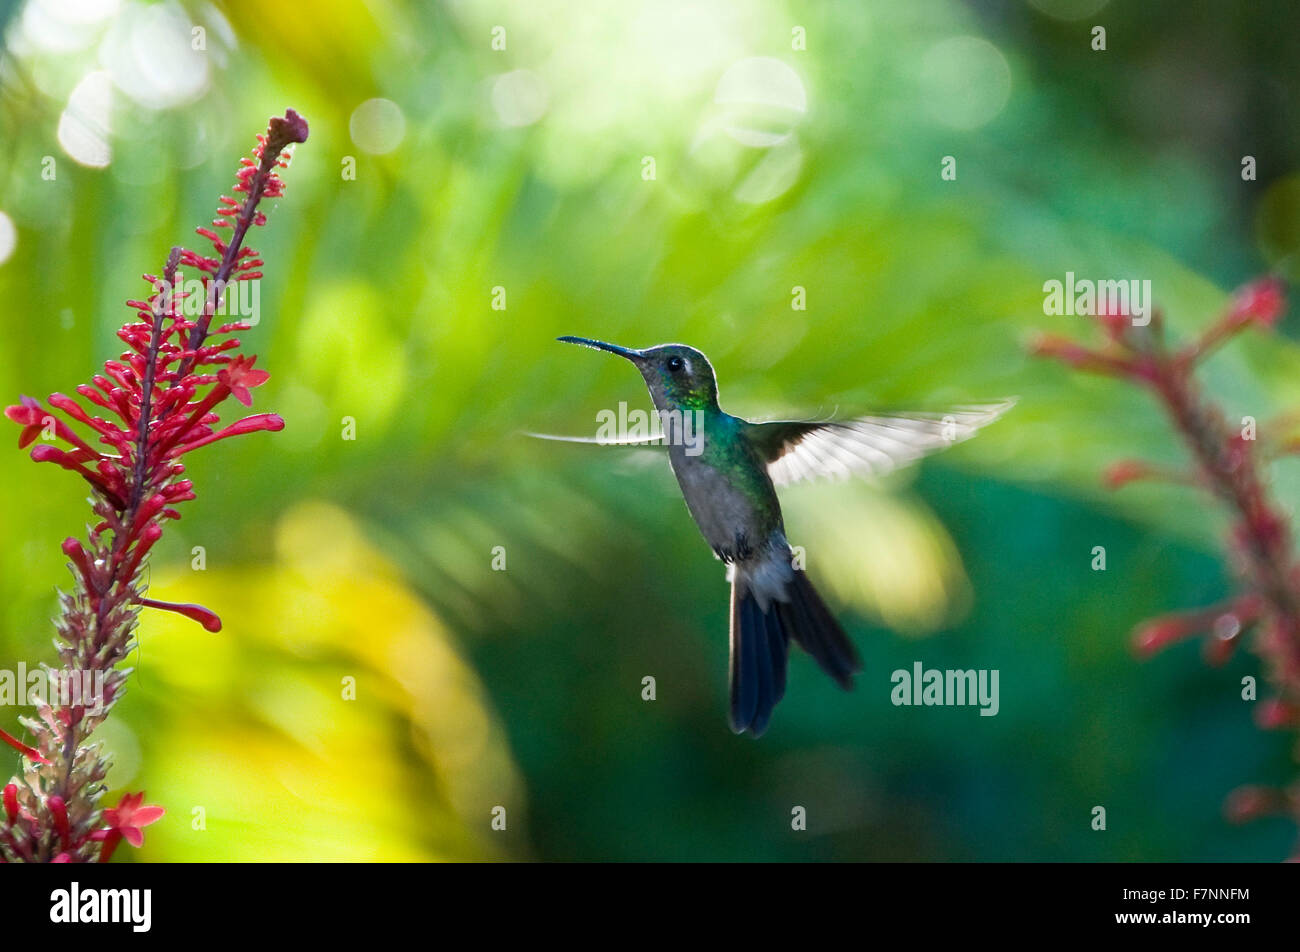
<point>728,470</point>
<point>726,487</point>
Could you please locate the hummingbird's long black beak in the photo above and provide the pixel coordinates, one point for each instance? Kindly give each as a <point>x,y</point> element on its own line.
<point>633,355</point>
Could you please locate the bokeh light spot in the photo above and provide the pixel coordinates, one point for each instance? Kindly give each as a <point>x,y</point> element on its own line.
<point>965,81</point>
<point>773,176</point>
<point>763,100</point>
<point>149,52</point>
<point>86,122</point>
<point>61,26</point>
<point>519,98</point>
<point>8,237</point>
<point>377,126</point>
<point>1068,9</point>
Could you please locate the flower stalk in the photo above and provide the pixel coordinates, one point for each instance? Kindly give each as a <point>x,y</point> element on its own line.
<point>1228,463</point>
<point>147,410</point>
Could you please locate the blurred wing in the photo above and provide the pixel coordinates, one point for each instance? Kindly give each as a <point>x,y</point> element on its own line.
<point>656,439</point>
<point>863,446</point>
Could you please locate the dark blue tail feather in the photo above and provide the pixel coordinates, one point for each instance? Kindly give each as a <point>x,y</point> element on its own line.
<point>760,644</point>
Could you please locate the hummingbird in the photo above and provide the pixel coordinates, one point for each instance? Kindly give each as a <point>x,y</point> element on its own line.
<point>728,470</point>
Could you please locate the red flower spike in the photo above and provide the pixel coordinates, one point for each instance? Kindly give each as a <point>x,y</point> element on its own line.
<point>1229,466</point>
<point>160,399</point>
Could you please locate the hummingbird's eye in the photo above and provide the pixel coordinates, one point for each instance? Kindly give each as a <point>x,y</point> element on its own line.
<point>675,364</point>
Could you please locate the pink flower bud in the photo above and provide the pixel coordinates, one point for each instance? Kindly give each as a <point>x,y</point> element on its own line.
<point>1260,302</point>
<point>1276,714</point>
<point>1153,636</point>
<point>1251,802</point>
<point>59,810</point>
<point>1120,474</point>
<point>11,802</point>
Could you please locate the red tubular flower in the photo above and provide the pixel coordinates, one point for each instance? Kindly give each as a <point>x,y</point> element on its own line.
<point>1124,472</point>
<point>11,803</point>
<point>31,753</point>
<point>59,810</point>
<point>1152,636</point>
<point>204,616</point>
<point>107,840</point>
<point>144,542</point>
<point>161,399</point>
<point>1120,474</point>
<point>73,550</point>
<point>1079,357</point>
<point>1259,304</point>
<point>1223,623</point>
<point>258,421</point>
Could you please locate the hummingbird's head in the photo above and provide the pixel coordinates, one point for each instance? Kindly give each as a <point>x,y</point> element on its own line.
<point>679,377</point>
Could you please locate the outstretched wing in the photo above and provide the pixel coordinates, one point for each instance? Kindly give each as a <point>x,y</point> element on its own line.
<point>863,446</point>
<point>656,439</point>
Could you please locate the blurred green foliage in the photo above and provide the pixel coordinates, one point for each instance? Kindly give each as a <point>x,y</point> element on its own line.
<point>774,167</point>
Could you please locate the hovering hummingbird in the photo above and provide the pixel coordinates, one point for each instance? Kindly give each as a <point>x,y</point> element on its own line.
<point>728,469</point>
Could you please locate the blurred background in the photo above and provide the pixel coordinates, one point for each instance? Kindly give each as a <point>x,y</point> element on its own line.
<point>482,177</point>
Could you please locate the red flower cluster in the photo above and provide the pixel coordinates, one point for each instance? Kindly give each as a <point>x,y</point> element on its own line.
<point>1228,463</point>
<point>148,409</point>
